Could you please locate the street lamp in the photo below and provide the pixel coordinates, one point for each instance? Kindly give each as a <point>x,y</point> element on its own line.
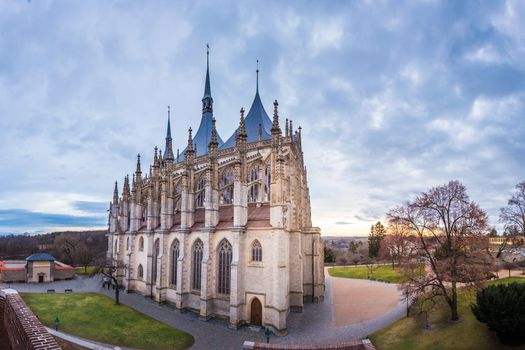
<point>57,323</point>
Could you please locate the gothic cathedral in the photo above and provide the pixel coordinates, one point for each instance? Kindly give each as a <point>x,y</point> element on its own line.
<point>223,228</point>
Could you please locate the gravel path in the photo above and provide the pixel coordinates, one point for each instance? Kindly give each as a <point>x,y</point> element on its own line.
<point>315,325</point>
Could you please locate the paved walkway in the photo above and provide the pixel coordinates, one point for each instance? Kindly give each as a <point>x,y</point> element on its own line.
<point>88,344</point>
<point>317,324</point>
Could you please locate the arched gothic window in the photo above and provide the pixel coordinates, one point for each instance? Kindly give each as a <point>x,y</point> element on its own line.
<point>145,214</point>
<point>253,175</point>
<point>141,244</point>
<point>253,193</point>
<point>267,182</point>
<point>200,193</point>
<point>174,261</point>
<point>256,251</point>
<point>226,186</point>
<point>156,253</point>
<point>225,262</point>
<point>197,251</point>
<point>140,272</point>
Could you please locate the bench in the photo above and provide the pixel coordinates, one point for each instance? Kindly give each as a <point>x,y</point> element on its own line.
<point>50,290</point>
<point>68,291</point>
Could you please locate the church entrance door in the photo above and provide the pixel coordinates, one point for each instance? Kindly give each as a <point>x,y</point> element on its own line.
<point>40,279</point>
<point>256,313</point>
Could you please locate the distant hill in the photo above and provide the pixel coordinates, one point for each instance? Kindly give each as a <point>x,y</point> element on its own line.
<point>66,246</point>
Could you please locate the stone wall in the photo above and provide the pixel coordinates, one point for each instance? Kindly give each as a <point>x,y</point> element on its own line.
<point>364,344</point>
<point>22,328</point>
<point>11,276</point>
<point>64,274</point>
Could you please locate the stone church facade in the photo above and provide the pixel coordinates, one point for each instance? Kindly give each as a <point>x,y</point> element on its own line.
<point>222,228</point>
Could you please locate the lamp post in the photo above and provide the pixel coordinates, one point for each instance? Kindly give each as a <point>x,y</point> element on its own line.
<point>57,323</point>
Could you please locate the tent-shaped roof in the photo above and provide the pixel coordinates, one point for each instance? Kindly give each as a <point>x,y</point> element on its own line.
<point>256,116</point>
<point>40,257</point>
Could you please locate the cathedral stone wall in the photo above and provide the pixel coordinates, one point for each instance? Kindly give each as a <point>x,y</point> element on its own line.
<point>222,228</point>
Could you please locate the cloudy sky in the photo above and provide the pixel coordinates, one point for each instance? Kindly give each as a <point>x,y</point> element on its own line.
<point>393,97</point>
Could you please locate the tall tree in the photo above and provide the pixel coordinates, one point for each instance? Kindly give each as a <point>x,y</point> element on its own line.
<point>377,233</point>
<point>396,244</point>
<point>329,255</point>
<point>451,233</point>
<point>513,215</point>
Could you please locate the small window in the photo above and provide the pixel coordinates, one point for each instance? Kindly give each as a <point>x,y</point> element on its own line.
<point>256,251</point>
<point>140,272</point>
<point>141,244</point>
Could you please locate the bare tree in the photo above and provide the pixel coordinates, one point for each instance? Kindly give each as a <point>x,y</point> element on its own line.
<point>396,244</point>
<point>111,268</point>
<point>509,265</point>
<point>452,241</point>
<point>513,215</point>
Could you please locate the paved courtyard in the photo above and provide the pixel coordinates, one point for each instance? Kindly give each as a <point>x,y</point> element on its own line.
<point>362,307</point>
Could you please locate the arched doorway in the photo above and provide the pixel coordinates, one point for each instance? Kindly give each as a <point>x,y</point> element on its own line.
<point>256,312</point>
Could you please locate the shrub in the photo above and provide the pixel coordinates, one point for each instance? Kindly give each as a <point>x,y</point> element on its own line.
<point>502,308</point>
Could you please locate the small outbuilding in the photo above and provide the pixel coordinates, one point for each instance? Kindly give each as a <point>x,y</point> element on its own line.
<point>38,267</point>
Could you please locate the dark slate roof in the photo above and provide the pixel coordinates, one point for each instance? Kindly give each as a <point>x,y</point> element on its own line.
<point>257,115</point>
<point>203,137</point>
<point>40,257</point>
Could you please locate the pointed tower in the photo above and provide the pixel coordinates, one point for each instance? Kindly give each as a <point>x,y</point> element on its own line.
<point>257,122</point>
<point>168,149</point>
<point>207,100</point>
<point>203,135</point>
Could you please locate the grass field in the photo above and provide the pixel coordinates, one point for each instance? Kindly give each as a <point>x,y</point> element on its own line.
<point>382,272</point>
<point>408,333</point>
<point>96,317</point>
<point>84,271</point>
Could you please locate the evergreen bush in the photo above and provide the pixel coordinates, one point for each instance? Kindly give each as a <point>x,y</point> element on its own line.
<point>502,309</point>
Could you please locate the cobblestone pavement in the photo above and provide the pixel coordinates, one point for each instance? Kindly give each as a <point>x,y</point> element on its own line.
<point>315,325</point>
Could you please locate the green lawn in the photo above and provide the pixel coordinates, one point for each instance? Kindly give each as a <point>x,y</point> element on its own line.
<point>408,333</point>
<point>96,317</point>
<point>84,271</point>
<point>381,272</point>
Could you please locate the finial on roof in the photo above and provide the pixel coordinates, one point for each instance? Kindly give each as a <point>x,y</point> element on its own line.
<point>156,151</point>
<point>291,128</point>
<point>241,134</point>
<point>189,149</point>
<point>257,78</point>
<point>138,165</point>
<point>286,128</point>
<point>177,155</point>
<point>275,124</point>
<point>207,99</point>
<point>213,142</point>
<point>115,194</point>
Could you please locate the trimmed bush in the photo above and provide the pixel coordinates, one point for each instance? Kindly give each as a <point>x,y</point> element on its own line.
<point>502,309</point>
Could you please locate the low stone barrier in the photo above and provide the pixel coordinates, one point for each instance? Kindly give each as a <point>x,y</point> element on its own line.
<point>364,344</point>
<point>23,329</point>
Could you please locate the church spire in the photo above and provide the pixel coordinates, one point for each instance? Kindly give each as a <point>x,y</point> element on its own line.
<point>207,100</point>
<point>168,150</point>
